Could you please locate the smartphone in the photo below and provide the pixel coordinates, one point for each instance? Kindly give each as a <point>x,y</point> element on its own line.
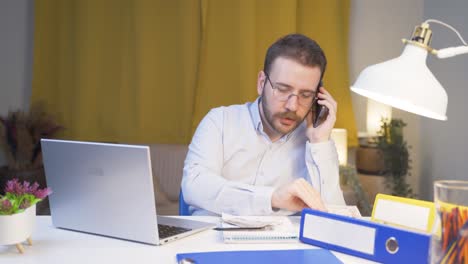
<point>319,112</point>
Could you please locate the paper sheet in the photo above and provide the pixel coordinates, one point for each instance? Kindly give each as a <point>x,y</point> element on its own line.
<point>345,210</point>
<point>255,221</point>
<point>278,221</point>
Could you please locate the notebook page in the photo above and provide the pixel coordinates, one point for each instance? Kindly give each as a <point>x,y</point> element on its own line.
<point>345,210</point>
<point>278,229</point>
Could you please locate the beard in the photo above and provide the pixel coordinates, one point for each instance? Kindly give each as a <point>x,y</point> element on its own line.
<point>277,126</point>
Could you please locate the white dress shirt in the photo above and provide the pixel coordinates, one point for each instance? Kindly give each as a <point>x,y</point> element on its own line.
<point>232,166</point>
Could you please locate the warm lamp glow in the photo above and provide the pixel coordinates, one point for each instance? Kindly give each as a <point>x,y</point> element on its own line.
<point>340,137</point>
<point>375,112</point>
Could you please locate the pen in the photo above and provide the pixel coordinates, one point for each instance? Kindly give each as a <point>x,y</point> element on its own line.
<point>237,228</point>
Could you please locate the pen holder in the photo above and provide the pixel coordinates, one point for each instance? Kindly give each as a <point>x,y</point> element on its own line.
<point>17,228</point>
<point>450,233</point>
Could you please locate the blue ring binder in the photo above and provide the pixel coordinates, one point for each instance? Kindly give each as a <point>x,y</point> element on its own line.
<point>363,238</point>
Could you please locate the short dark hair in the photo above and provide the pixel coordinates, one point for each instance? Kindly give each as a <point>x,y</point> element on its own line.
<point>299,48</point>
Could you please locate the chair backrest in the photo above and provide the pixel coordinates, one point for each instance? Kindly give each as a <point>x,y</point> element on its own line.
<point>167,161</point>
<point>183,206</point>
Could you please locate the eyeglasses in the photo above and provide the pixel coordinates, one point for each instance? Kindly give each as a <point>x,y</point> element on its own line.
<point>283,93</point>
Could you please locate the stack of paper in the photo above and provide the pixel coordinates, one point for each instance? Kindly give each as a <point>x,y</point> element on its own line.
<point>345,210</point>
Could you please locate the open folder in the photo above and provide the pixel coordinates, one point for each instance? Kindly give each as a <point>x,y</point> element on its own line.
<point>260,256</point>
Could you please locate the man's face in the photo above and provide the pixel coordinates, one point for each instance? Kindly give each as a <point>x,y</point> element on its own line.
<point>281,117</point>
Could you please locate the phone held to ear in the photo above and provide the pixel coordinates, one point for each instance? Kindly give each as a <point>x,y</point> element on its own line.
<point>319,112</point>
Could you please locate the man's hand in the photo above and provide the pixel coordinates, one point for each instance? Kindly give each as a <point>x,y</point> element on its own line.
<point>296,196</point>
<point>323,131</point>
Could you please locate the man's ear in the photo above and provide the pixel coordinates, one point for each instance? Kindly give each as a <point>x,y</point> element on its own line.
<point>261,79</point>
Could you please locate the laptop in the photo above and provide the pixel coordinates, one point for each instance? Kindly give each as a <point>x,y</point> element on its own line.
<point>107,189</point>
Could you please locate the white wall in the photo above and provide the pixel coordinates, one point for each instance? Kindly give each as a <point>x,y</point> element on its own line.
<point>16,27</point>
<point>445,144</point>
<point>16,38</point>
<point>377,28</point>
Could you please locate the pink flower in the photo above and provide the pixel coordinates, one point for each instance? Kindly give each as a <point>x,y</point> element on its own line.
<point>14,187</point>
<point>42,193</point>
<point>24,193</point>
<point>5,205</point>
<point>30,189</point>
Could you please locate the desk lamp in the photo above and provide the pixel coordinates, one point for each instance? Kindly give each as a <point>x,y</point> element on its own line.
<point>406,82</point>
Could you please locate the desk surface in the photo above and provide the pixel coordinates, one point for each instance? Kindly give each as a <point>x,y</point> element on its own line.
<point>52,245</point>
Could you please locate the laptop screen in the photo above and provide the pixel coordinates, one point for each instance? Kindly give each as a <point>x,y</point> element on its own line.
<point>101,188</point>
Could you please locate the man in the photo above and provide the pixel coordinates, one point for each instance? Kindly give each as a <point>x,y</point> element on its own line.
<point>266,157</point>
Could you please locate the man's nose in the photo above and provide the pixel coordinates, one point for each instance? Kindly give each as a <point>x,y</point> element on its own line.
<point>292,102</point>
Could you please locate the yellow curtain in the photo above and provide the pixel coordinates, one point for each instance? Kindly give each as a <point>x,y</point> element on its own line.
<point>147,71</point>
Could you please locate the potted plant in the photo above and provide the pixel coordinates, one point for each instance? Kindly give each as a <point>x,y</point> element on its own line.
<point>394,150</point>
<point>17,212</point>
<point>20,135</point>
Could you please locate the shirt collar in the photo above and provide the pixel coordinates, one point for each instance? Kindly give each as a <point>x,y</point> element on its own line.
<point>254,109</point>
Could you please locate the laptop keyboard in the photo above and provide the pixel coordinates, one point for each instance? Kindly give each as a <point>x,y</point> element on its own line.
<point>168,231</point>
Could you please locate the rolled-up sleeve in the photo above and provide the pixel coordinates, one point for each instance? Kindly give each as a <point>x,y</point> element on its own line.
<point>323,167</point>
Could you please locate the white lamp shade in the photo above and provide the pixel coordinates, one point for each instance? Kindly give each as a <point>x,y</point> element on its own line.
<point>340,137</point>
<point>405,83</point>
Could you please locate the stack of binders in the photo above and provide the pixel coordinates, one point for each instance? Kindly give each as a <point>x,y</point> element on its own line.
<point>365,239</point>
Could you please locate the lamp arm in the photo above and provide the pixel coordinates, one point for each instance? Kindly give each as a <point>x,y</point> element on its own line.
<point>448,26</point>
<point>451,52</point>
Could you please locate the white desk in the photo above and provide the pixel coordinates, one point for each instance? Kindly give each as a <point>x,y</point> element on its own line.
<point>52,245</point>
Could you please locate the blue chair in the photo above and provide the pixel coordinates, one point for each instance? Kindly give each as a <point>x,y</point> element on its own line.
<point>183,206</point>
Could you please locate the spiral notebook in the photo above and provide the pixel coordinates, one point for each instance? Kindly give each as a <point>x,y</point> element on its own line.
<point>277,229</point>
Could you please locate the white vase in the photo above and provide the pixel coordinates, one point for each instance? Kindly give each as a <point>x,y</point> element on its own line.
<point>17,228</point>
